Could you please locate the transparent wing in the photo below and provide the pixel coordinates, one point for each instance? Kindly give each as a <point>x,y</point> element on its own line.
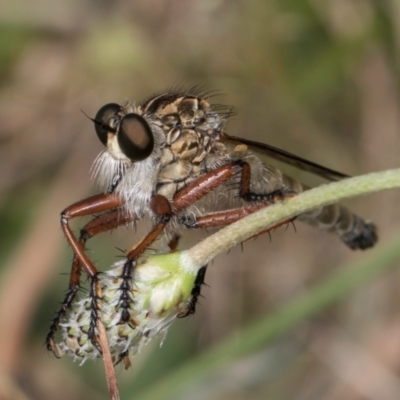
<point>286,157</point>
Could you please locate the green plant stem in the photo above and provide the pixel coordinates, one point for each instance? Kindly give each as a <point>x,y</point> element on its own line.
<point>228,237</point>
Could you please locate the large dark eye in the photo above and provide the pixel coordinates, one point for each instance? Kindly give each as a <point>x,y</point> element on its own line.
<point>102,120</point>
<point>135,137</point>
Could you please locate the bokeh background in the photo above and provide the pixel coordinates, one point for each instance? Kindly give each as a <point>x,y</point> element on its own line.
<point>319,78</point>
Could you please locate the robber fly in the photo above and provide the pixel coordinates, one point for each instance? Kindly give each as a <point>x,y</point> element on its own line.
<point>170,160</point>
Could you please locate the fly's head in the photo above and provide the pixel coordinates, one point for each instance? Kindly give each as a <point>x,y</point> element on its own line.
<point>126,135</point>
<point>132,151</point>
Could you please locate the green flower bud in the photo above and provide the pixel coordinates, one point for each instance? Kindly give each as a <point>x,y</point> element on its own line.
<point>161,291</point>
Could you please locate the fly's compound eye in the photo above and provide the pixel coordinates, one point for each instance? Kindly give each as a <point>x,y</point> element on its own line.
<point>102,121</point>
<point>135,138</point>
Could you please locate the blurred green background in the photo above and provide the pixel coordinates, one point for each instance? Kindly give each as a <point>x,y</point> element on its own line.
<point>319,78</point>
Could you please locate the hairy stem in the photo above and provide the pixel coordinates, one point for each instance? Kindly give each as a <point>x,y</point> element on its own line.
<point>230,236</point>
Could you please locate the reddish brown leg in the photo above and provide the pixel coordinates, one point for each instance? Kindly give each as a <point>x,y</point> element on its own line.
<point>223,218</point>
<point>107,221</point>
<point>210,181</point>
<point>205,184</point>
<point>92,205</point>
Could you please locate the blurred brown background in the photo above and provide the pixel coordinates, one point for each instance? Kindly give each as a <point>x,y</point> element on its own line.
<point>319,78</point>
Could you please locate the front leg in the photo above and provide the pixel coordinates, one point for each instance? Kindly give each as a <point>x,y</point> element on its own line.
<point>111,218</point>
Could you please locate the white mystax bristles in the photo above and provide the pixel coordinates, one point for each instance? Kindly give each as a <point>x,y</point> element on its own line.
<point>161,291</point>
